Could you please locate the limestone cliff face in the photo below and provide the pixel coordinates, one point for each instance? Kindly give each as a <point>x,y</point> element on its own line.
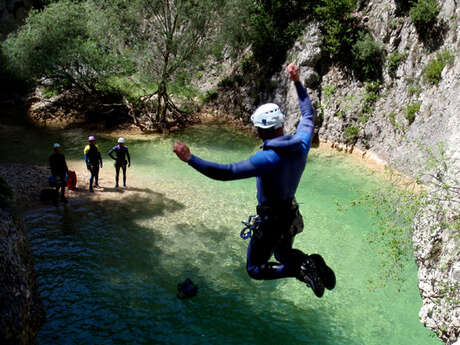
<point>21,310</point>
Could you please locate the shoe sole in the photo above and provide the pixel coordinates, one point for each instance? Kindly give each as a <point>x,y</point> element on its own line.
<point>327,274</point>
<point>315,283</point>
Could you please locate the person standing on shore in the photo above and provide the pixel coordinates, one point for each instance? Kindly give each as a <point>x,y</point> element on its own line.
<point>121,153</point>
<point>93,160</point>
<point>59,171</point>
<point>278,168</point>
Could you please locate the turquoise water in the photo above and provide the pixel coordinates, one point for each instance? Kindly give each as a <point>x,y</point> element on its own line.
<point>108,270</point>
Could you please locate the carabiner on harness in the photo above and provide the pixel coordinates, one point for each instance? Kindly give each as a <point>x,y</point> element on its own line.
<point>250,226</point>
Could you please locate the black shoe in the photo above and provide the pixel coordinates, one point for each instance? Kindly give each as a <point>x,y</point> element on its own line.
<point>91,190</point>
<point>309,274</point>
<point>64,200</point>
<point>326,273</point>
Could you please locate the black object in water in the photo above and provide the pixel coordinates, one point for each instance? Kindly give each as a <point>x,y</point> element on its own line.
<point>186,289</point>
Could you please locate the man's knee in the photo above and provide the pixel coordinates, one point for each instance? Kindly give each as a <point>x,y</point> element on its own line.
<point>254,272</point>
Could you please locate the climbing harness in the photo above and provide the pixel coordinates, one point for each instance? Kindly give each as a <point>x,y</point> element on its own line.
<point>250,226</point>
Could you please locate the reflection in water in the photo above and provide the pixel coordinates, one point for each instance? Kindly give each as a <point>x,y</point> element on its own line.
<point>108,269</point>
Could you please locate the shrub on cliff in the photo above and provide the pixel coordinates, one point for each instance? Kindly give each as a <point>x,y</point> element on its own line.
<point>411,111</point>
<point>351,134</point>
<point>368,58</point>
<point>394,60</point>
<point>336,25</point>
<point>432,71</point>
<point>424,13</point>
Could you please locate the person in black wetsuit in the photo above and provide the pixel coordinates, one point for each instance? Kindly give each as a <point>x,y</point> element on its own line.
<point>121,153</point>
<point>278,168</point>
<point>93,159</point>
<point>59,171</point>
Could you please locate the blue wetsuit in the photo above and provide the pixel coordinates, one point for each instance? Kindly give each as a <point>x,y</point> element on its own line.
<point>278,169</point>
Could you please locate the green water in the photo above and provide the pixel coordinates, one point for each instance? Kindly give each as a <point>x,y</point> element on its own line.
<point>108,271</point>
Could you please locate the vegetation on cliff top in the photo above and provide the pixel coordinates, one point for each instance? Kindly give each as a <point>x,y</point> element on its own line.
<point>139,52</point>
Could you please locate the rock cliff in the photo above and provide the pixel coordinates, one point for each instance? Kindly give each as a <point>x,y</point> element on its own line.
<point>21,310</point>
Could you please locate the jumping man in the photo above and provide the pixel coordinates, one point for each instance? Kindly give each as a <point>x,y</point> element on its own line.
<point>121,151</point>
<point>93,159</point>
<point>278,169</point>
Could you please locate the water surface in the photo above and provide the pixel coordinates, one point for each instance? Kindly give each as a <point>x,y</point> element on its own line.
<point>108,270</point>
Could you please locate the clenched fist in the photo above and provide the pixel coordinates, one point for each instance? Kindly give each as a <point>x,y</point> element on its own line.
<point>182,151</point>
<point>293,71</point>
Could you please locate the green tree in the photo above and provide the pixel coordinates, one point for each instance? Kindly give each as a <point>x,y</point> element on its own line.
<point>169,38</point>
<point>58,45</point>
<point>335,16</point>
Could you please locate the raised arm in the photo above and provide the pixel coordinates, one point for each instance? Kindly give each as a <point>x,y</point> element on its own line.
<point>306,124</point>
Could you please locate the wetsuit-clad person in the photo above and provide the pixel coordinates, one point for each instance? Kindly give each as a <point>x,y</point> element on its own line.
<point>93,159</point>
<point>59,171</point>
<point>121,153</point>
<point>278,168</point>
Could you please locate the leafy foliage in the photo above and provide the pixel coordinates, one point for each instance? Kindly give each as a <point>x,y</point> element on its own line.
<point>370,96</point>
<point>394,60</point>
<point>424,13</point>
<point>336,25</point>
<point>368,57</point>
<point>329,92</point>
<point>351,134</point>
<point>411,110</point>
<point>269,27</point>
<point>432,71</point>
<point>58,44</point>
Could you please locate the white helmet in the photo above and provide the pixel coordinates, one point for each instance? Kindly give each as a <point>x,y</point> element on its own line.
<point>121,140</point>
<point>268,115</point>
<point>91,138</point>
<point>56,145</point>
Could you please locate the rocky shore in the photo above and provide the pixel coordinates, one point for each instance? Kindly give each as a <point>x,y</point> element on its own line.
<point>21,310</point>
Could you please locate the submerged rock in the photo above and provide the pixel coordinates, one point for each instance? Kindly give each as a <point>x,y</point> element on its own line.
<point>186,289</point>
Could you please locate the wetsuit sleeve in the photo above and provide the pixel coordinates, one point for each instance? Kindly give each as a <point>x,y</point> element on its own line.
<point>306,124</point>
<point>257,165</point>
<point>110,153</point>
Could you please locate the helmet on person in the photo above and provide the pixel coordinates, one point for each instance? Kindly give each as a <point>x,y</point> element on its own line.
<point>268,115</point>
<point>91,138</point>
<point>121,140</point>
<point>56,145</point>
